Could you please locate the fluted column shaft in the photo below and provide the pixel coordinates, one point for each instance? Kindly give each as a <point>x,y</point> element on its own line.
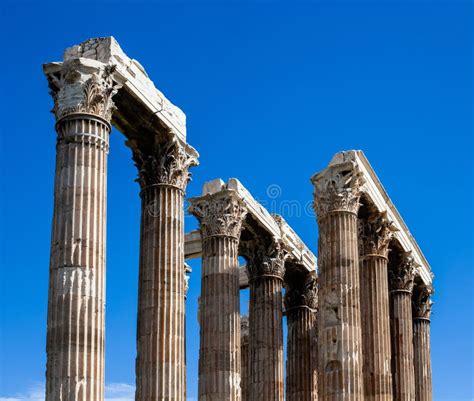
<point>376,329</point>
<point>421,341</point>
<point>266,381</point>
<point>402,346</point>
<point>340,341</point>
<point>75,338</point>
<point>421,345</point>
<point>162,164</point>
<point>244,357</point>
<point>336,202</point>
<point>301,370</point>
<point>401,280</point>
<point>219,354</point>
<point>83,107</point>
<point>220,217</point>
<point>160,366</point>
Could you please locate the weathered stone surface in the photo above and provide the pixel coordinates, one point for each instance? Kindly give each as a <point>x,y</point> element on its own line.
<point>266,271</point>
<point>76,304</point>
<point>244,357</point>
<point>163,175</point>
<point>336,199</point>
<point>301,302</point>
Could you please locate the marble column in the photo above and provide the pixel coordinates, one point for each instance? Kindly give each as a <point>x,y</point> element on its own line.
<point>421,341</point>
<point>266,270</point>
<point>163,175</point>
<point>401,279</point>
<point>301,303</point>
<point>244,357</point>
<point>220,217</point>
<point>336,201</point>
<point>375,233</point>
<point>76,301</point>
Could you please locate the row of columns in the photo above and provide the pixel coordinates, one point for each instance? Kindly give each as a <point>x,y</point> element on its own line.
<point>358,358</point>
<point>249,366</point>
<point>76,303</point>
<point>369,358</point>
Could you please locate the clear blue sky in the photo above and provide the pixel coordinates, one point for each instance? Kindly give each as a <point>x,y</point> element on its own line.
<point>271,92</point>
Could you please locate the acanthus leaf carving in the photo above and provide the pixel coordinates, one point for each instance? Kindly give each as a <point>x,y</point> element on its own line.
<point>163,163</point>
<point>375,234</point>
<point>220,215</point>
<point>78,91</point>
<point>422,302</point>
<point>305,295</point>
<point>402,276</point>
<point>244,329</point>
<point>265,260</point>
<point>337,189</point>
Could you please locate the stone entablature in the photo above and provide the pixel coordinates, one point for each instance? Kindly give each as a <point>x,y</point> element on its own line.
<point>130,73</point>
<point>354,164</point>
<point>274,225</point>
<point>141,110</point>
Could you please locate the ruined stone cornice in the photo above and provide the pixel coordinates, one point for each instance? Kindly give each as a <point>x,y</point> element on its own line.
<point>375,234</point>
<point>163,163</point>
<point>337,189</point>
<point>219,214</point>
<point>305,296</point>
<point>422,302</point>
<point>402,276</point>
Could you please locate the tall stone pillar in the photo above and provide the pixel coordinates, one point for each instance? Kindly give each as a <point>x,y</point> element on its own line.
<point>266,270</point>
<point>76,302</point>
<point>337,193</point>
<point>220,217</point>
<point>375,234</point>
<point>244,357</point>
<point>401,279</point>
<point>301,368</point>
<point>162,165</point>
<point>421,341</point>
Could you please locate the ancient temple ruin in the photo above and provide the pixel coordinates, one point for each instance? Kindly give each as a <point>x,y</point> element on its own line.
<point>358,317</point>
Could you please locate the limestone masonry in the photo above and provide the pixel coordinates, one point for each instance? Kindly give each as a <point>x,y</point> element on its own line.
<point>358,318</point>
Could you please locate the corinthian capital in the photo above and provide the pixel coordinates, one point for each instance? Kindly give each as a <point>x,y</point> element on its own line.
<point>83,87</point>
<point>164,162</point>
<point>264,260</point>
<point>337,189</point>
<point>402,276</point>
<point>375,234</point>
<point>220,214</point>
<point>244,329</point>
<point>422,301</point>
<point>305,295</point>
